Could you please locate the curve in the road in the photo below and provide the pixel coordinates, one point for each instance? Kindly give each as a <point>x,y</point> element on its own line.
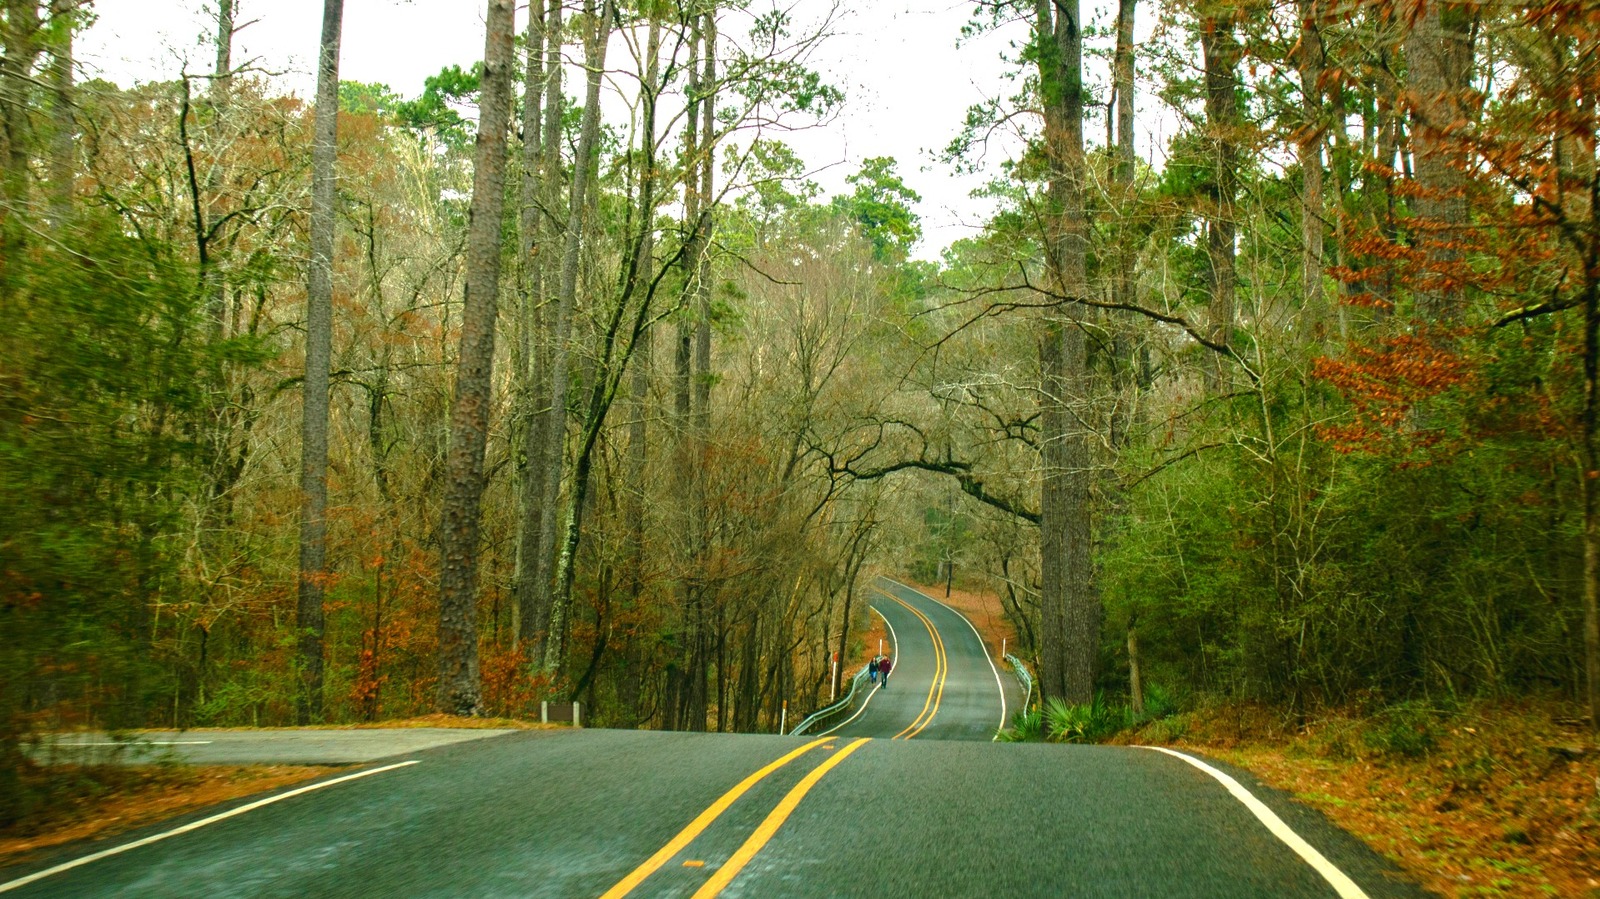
<point>946,686</point>
<point>941,671</point>
<point>999,682</point>
<point>894,641</point>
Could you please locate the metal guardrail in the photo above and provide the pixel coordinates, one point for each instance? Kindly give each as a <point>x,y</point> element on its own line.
<point>836,709</point>
<point>1024,677</point>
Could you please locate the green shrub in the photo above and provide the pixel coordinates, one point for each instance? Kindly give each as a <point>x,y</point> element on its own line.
<point>1158,702</point>
<point>1026,727</point>
<point>1081,723</point>
<point>1169,729</point>
<point>1408,729</point>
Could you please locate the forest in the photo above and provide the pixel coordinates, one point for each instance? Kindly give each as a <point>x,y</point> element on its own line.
<point>564,379</point>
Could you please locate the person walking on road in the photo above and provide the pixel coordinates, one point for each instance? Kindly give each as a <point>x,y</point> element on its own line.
<point>883,668</point>
<point>872,671</point>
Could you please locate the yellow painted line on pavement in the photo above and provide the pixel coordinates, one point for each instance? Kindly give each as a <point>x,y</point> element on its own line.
<point>724,876</point>
<point>941,667</point>
<point>687,835</point>
<point>944,673</point>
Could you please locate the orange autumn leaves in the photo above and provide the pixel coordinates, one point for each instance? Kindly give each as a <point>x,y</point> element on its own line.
<point>1385,385</point>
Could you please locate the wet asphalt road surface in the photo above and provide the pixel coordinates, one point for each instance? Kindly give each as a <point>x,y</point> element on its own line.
<point>577,812</point>
<point>942,685</point>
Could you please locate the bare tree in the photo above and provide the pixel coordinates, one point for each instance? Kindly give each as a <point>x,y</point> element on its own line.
<point>537,522</point>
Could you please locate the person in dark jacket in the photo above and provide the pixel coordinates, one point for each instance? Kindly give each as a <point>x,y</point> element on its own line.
<point>883,669</point>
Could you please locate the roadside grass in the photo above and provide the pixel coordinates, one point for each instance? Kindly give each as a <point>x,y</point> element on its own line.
<point>94,802</point>
<point>1489,799</point>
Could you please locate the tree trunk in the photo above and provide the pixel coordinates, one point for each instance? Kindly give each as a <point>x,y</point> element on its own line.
<point>1310,152</point>
<point>553,650</point>
<point>643,352</point>
<point>1439,52</point>
<point>1125,254</point>
<point>64,126</point>
<point>699,430</point>
<point>541,478</point>
<point>529,374</point>
<point>319,364</point>
<point>1135,671</point>
<point>708,155</point>
<point>1591,499</point>
<point>459,687</point>
<point>1070,609</point>
<point>1221,52</point>
<point>21,37</point>
<point>222,74</point>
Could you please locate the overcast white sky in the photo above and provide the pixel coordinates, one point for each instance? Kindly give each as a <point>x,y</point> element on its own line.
<point>907,85</point>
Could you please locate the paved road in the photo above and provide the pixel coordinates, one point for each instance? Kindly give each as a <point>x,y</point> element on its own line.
<point>941,811</point>
<point>943,685</point>
<point>575,813</point>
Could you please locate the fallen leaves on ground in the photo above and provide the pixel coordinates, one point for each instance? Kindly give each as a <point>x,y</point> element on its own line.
<point>1499,800</point>
<point>103,801</point>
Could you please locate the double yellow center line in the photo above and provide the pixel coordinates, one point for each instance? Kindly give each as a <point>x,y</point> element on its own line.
<point>757,839</point>
<point>941,667</point>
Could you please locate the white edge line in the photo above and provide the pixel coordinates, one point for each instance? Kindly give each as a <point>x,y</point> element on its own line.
<point>193,825</point>
<point>1341,883</point>
<point>997,682</point>
<point>875,686</point>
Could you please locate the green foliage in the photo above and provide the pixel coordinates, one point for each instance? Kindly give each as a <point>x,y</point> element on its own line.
<point>947,531</point>
<point>369,99</point>
<point>881,207</point>
<point>1026,727</point>
<point>437,109</point>
<point>1406,568</point>
<point>1081,722</point>
<point>1408,729</point>
<point>103,367</point>
<point>1158,702</point>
